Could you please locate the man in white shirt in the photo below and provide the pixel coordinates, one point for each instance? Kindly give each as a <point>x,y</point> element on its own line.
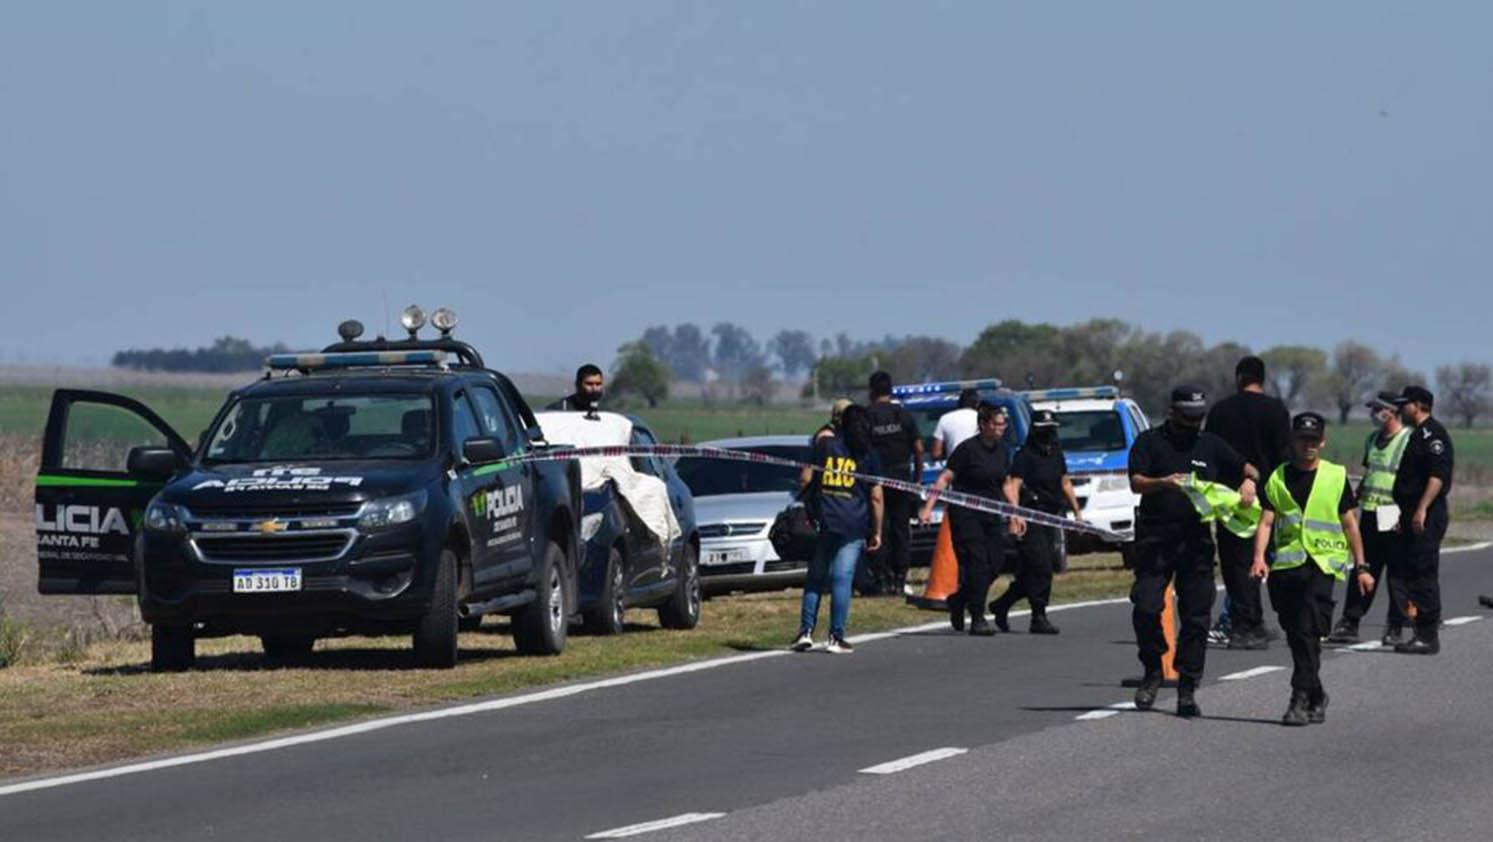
<point>956,425</point>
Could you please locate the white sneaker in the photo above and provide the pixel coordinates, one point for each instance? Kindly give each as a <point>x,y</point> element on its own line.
<point>839,646</point>
<point>804,643</point>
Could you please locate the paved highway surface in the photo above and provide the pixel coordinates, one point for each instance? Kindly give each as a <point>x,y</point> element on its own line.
<point>918,736</point>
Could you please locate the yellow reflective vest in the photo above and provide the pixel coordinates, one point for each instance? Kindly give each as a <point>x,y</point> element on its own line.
<point>1383,462</point>
<point>1317,532</point>
<point>1217,503</point>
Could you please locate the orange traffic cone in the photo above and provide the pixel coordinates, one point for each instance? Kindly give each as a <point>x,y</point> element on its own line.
<point>1169,630</point>
<point>943,573</point>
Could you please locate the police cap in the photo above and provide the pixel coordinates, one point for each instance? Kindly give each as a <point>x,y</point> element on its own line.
<point>1308,425</point>
<point>1190,401</point>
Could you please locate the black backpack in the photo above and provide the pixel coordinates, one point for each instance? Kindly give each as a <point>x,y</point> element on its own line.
<point>793,535</point>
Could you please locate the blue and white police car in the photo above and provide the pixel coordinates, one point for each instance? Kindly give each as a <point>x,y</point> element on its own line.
<point>1098,426</point>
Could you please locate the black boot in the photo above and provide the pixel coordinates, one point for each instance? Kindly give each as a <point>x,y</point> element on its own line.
<point>1297,714</point>
<point>1316,710</point>
<point>1420,645</point>
<point>1145,692</point>
<point>980,628</point>
<point>956,612</point>
<point>1346,631</point>
<point>1187,704</point>
<point>1040,623</point>
<point>1001,608</point>
<point>1393,636</point>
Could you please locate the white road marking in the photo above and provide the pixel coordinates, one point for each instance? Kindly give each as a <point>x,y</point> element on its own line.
<point>894,766</point>
<point>1460,621</point>
<point>1105,713</point>
<point>472,708</point>
<point>1370,646</point>
<point>661,824</point>
<point>1468,548</point>
<point>1236,676</point>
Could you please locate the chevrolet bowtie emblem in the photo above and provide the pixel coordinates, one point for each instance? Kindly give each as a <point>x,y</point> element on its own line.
<point>269,527</point>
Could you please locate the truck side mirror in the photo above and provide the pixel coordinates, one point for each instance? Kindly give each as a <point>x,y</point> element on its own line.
<point>480,451</point>
<point>154,463</point>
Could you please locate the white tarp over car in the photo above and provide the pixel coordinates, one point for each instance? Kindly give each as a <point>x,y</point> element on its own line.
<point>646,495</point>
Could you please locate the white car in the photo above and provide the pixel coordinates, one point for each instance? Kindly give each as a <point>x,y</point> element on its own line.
<point>735,504</point>
<point>1098,427</point>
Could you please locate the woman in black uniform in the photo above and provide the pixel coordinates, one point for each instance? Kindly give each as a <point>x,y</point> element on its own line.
<point>977,466</point>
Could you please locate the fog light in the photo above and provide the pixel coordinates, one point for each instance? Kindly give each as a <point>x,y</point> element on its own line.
<point>444,320</point>
<point>413,318</point>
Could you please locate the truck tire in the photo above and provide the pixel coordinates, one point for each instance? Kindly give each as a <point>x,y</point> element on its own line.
<point>682,611</point>
<point>287,647</point>
<point>607,617</point>
<point>435,636</point>
<point>539,627</point>
<point>469,624</point>
<point>172,648</point>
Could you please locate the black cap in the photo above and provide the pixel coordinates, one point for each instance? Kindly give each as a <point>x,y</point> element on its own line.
<point>1417,394</point>
<point>1308,425</point>
<point>1045,418</point>
<point>1190,401</point>
<point>1383,400</point>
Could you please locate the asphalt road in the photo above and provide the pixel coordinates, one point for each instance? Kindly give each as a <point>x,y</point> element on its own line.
<point>776,746</point>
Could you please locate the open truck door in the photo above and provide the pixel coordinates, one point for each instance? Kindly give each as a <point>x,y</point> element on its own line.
<point>104,457</point>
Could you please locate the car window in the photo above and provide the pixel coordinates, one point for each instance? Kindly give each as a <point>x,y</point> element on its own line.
<point>644,464</point>
<point>495,421</point>
<point>1096,430</point>
<point>463,421</point>
<point>660,467</point>
<point>706,477</point>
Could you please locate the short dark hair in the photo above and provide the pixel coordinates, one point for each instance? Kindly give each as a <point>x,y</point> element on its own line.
<point>989,411</point>
<point>881,384</point>
<point>1250,371</point>
<point>855,427</point>
<point>587,370</point>
<point>969,398</point>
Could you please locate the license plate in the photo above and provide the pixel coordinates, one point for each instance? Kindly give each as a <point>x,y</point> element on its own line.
<point>726,556</point>
<point>261,580</point>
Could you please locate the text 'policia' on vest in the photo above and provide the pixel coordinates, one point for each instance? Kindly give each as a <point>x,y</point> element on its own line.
<point>1316,533</point>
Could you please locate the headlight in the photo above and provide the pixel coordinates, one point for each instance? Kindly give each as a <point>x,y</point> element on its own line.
<point>165,517</point>
<point>392,511</point>
<point>412,319</point>
<point>1114,484</point>
<point>444,320</point>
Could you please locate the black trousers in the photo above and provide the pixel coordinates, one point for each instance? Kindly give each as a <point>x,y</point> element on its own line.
<point>1235,555</point>
<point>1415,571</point>
<point>979,544</point>
<point>1182,555</point>
<point>1378,549</point>
<point>1037,553</point>
<point>1302,597</point>
<point>891,561</point>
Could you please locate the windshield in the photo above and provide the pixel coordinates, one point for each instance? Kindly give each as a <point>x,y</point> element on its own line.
<point>322,427</point>
<point>716,476</point>
<point>1091,430</point>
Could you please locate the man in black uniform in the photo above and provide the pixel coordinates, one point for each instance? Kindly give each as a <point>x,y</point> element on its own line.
<point>590,386</point>
<point>1039,480</point>
<point>1172,542</point>
<point>1421,485</point>
<point>1258,428</point>
<point>894,437</point>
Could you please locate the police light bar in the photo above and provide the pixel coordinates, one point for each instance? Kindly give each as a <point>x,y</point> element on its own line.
<point>353,359</point>
<point>911,389</point>
<point>1073,394</point>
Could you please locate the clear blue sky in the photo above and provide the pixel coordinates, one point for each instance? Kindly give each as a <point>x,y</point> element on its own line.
<point>565,174</point>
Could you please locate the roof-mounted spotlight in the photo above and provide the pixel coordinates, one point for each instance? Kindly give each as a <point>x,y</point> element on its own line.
<point>444,320</point>
<point>413,318</point>
<point>350,330</point>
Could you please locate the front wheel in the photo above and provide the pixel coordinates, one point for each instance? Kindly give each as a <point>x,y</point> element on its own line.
<point>172,648</point>
<point>607,617</point>
<point>682,611</point>
<point>539,627</point>
<point>435,636</point>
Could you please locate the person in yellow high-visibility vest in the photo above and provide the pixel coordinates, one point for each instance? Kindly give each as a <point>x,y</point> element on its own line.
<point>1308,516</point>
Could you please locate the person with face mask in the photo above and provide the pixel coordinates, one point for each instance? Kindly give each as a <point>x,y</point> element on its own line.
<point>1379,517</point>
<point>1174,544</point>
<point>1308,517</point>
<point>1039,480</point>
<point>590,388</point>
<point>1422,483</point>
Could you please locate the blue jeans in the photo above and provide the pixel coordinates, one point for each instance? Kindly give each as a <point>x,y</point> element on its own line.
<point>832,569</point>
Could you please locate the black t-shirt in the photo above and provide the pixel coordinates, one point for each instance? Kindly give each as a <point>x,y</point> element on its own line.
<point>1299,484</point>
<point>979,470</point>
<point>1256,426</point>
<point>842,503</point>
<point>1427,454</point>
<point>1168,449</point>
<point>893,432</point>
<point>1041,478</point>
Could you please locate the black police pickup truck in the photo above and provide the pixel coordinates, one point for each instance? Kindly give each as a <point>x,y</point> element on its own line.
<point>362,490</point>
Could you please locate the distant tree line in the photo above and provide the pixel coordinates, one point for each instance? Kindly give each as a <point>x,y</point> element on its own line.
<point>730,362</point>
<point>226,354</point>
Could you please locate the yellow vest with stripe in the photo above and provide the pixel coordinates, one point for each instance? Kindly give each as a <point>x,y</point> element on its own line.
<point>1217,503</point>
<point>1383,462</point>
<point>1316,533</point>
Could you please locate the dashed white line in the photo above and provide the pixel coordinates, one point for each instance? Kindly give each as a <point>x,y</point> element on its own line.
<point>1370,646</point>
<point>661,824</point>
<point>894,766</point>
<point>1460,621</point>
<point>1105,713</point>
<point>1257,671</point>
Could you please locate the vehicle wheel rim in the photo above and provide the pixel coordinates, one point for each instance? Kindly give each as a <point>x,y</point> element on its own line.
<point>556,601</point>
<point>692,582</point>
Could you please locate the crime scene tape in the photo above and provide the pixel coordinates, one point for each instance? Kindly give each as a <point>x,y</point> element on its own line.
<point>949,497</point>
